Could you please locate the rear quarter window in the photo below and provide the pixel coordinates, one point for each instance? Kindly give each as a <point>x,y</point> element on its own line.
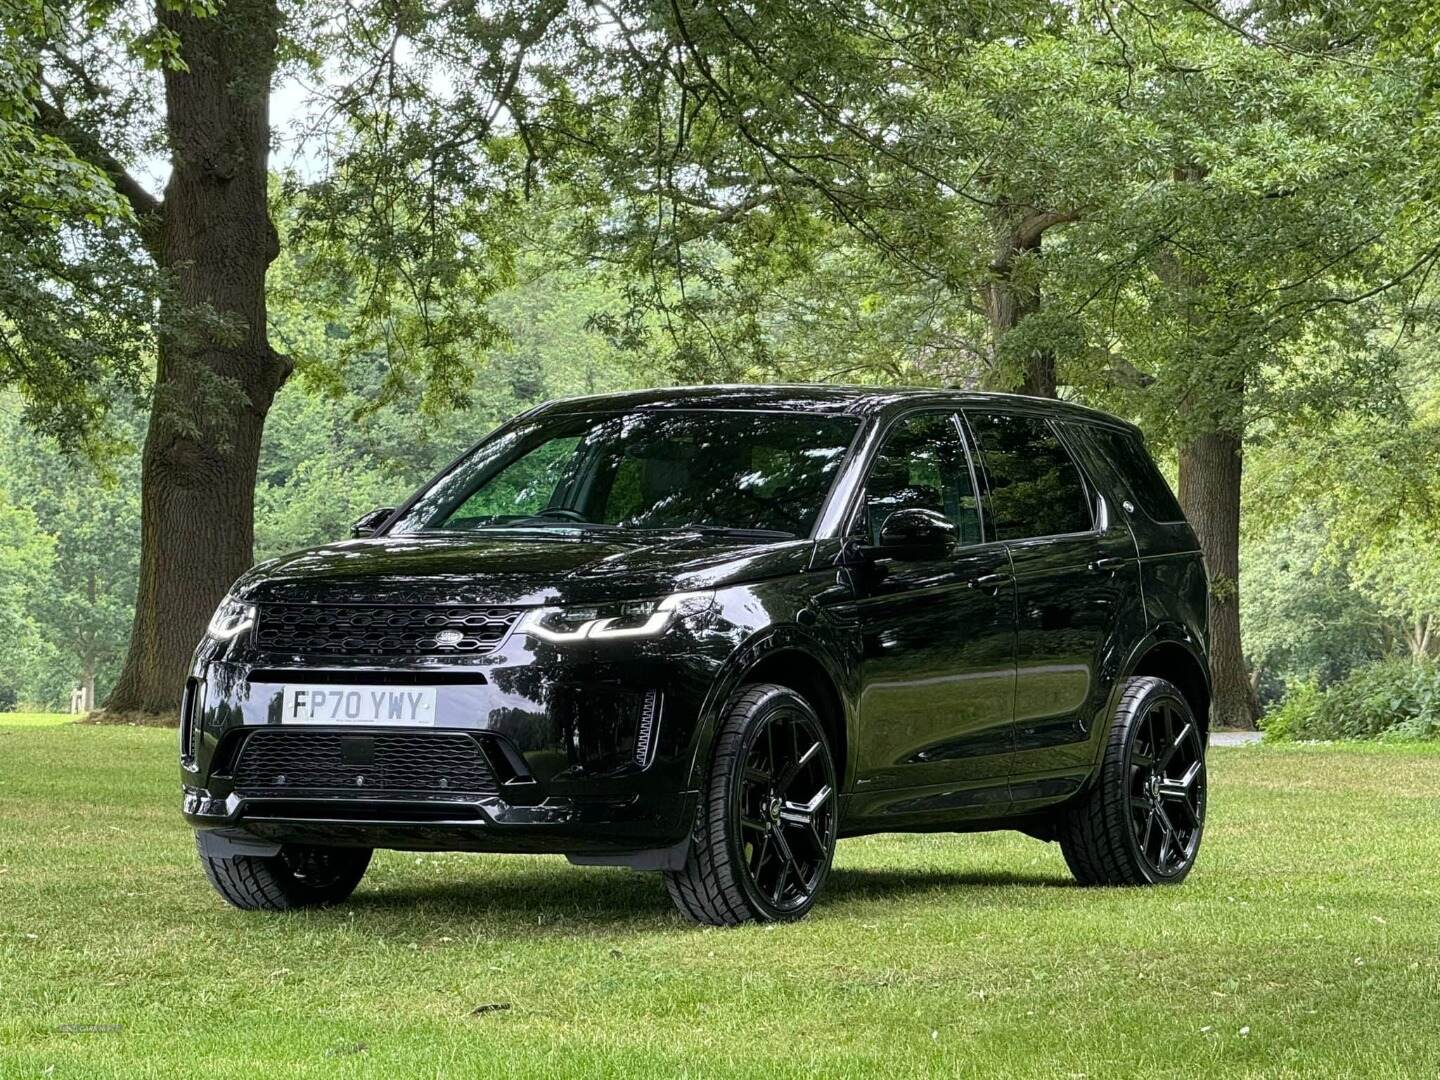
<point>1137,469</point>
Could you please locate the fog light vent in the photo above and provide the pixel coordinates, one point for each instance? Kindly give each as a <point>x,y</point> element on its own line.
<point>645,735</point>
<point>189,726</point>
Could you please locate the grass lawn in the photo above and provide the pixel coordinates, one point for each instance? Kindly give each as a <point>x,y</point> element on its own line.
<point>34,719</point>
<point>1307,942</point>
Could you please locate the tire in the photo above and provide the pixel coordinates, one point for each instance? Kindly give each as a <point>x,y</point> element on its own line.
<point>299,876</point>
<point>1142,821</point>
<point>766,828</point>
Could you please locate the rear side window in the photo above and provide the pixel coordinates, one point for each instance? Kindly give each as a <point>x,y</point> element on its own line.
<point>1135,465</point>
<point>1035,488</point>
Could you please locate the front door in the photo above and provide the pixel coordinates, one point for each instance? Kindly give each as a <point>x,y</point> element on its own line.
<point>938,672</point>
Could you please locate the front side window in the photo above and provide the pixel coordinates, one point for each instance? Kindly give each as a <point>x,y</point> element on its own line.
<point>703,468</point>
<point>922,464</point>
<point>1035,489</point>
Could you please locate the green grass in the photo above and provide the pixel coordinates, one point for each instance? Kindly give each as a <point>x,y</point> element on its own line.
<point>34,719</point>
<point>1305,943</point>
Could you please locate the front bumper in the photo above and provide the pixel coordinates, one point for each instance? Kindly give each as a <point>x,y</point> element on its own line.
<point>557,732</point>
<point>622,831</point>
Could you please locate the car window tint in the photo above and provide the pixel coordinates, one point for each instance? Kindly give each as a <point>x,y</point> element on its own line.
<point>746,470</point>
<point>646,470</point>
<point>1133,462</point>
<point>922,464</point>
<point>1035,489</point>
<point>525,486</point>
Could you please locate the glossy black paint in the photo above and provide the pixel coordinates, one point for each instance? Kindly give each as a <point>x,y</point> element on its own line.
<point>961,688</point>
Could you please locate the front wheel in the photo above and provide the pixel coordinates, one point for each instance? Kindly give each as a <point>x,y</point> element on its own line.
<point>1141,823</point>
<point>298,876</point>
<point>767,822</point>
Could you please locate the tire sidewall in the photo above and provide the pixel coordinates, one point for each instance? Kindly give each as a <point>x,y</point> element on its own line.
<point>1130,722</point>
<point>779,701</point>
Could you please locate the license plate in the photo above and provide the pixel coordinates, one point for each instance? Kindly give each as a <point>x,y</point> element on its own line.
<point>401,706</point>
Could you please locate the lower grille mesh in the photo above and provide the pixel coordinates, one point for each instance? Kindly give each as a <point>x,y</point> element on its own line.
<point>367,765</point>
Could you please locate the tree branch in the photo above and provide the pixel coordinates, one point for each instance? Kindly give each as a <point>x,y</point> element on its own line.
<point>149,211</point>
<point>1034,225</point>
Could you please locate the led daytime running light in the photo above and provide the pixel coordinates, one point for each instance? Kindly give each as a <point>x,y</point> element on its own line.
<point>658,620</point>
<point>230,620</point>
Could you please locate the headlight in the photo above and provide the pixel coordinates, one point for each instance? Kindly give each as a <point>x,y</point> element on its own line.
<point>631,619</point>
<point>230,618</point>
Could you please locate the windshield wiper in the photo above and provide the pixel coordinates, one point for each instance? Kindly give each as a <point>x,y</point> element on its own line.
<point>737,531</point>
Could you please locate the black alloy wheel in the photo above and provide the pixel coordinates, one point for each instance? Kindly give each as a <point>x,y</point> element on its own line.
<point>1142,821</point>
<point>766,831</point>
<point>1167,788</point>
<point>786,807</point>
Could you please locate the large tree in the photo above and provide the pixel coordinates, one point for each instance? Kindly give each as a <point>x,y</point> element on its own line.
<point>1089,195</point>
<point>89,91</point>
<point>685,117</point>
<point>1279,226</point>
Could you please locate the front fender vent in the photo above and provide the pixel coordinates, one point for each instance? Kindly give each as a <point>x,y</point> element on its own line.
<point>189,726</point>
<point>645,733</point>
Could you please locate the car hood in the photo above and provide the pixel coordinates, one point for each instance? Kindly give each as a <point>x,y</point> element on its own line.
<point>517,568</point>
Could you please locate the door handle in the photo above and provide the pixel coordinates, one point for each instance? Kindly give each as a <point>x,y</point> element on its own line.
<point>1111,562</point>
<point>989,581</point>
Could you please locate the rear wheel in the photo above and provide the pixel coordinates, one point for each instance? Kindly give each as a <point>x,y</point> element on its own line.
<point>767,822</point>
<point>1142,822</point>
<point>298,876</point>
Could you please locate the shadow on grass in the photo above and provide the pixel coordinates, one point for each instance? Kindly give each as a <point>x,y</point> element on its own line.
<point>564,899</point>
<point>855,883</point>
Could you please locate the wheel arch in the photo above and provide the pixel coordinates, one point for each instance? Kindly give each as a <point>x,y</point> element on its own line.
<point>787,657</point>
<point>794,668</point>
<point>1176,661</point>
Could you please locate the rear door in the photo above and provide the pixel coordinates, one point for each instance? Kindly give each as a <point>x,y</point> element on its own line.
<point>1076,580</point>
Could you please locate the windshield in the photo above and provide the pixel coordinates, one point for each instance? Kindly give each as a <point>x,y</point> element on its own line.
<point>759,472</point>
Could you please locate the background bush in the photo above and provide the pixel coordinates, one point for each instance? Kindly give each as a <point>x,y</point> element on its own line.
<point>1392,699</point>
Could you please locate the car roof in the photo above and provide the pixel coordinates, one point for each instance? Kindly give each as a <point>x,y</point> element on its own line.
<point>819,398</point>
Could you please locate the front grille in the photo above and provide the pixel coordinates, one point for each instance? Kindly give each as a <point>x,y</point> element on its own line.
<point>371,765</point>
<point>380,630</point>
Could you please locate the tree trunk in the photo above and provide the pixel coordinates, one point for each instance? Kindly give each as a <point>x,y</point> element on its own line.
<point>1010,299</point>
<point>1210,471</point>
<point>1417,637</point>
<point>216,374</point>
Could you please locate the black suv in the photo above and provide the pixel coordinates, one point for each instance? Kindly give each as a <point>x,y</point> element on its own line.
<point>710,631</point>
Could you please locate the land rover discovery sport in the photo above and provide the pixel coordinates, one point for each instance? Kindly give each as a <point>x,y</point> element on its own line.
<point>711,631</point>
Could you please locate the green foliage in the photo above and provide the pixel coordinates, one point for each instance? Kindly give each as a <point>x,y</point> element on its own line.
<point>341,440</point>
<point>1245,273</point>
<point>78,603</point>
<point>350,436</point>
<point>1204,216</point>
<point>75,287</point>
<point>1389,699</point>
<point>1303,618</point>
<point>1356,503</point>
<point>27,556</point>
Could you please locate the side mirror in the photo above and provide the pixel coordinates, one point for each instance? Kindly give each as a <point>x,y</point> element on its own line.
<point>366,524</point>
<point>916,534</point>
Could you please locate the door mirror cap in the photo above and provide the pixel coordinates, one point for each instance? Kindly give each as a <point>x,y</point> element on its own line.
<point>915,534</point>
<point>366,524</point>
